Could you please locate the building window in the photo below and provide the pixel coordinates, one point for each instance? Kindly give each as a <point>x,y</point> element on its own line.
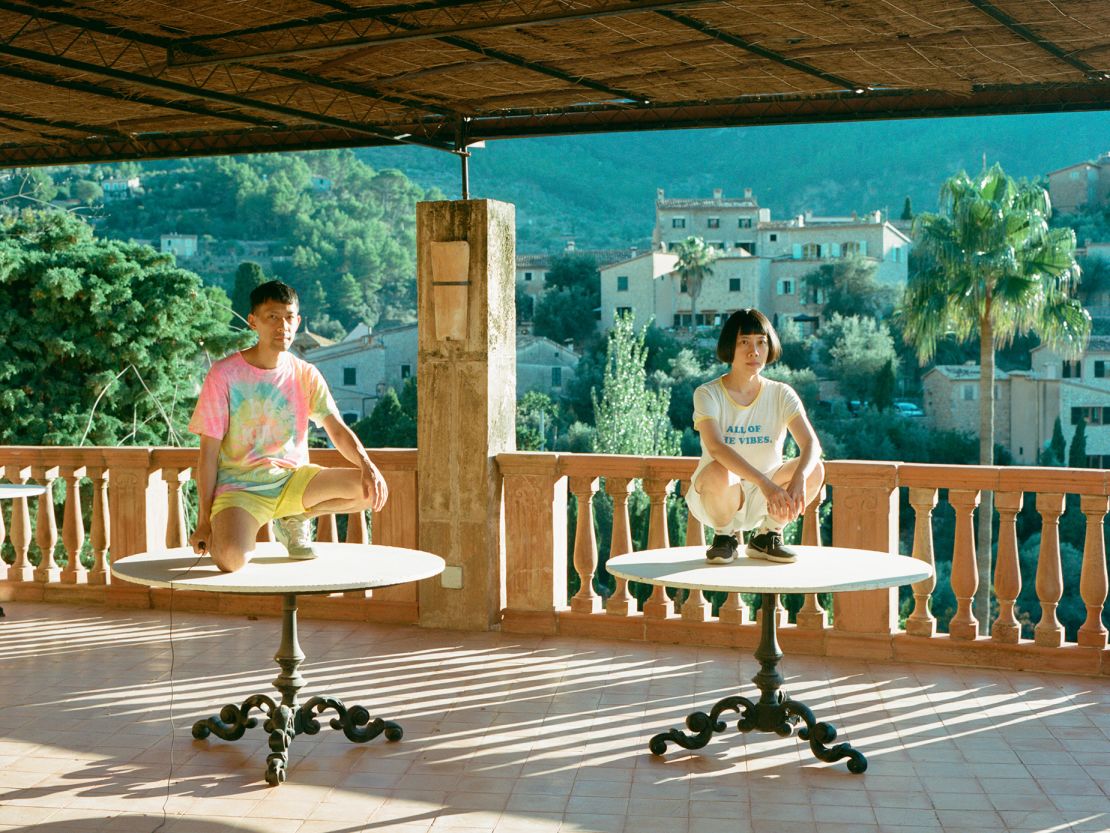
<point>746,222</point>
<point>733,284</point>
<point>682,285</point>
<point>970,393</point>
<point>406,371</point>
<point>786,287</point>
<point>556,377</point>
<point>1073,370</point>
<point>622,311</point>
<point>1093,415</point>
<point>748,245</point>
<point>350,417</point>
<point>527,276</point>
<point>350,376</point>
<point>622,283</point>
<point>713,222</point>
<point>678,222</point>
<point>849,248</point>
<point>1100,370</point>
<point>773,237</point>
<point>811,251</point>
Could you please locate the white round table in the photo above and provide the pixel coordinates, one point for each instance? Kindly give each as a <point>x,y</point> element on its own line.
<point>270,571</point>
<point>10,491</point>
<point>816,570</point>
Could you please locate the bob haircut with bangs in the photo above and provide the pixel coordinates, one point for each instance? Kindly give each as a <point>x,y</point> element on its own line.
<point>747,322</point>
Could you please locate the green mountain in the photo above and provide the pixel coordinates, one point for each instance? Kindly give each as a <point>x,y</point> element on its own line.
<point>600,190</point>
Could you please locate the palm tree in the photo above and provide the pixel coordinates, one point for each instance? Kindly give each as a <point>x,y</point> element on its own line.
<point>693,267</point>
<point>992,267</point>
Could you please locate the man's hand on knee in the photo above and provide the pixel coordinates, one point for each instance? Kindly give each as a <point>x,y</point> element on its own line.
<point>374,487</point>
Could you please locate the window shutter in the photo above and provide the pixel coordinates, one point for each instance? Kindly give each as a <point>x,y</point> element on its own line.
<point>835,250</point>
<point>797,251</point>
<point>863,247</point>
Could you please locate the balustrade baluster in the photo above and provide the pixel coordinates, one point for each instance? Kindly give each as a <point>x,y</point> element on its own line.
<point>177,528</point>
<point>659,605</point>
<point>326,529</point>
<point>1007,570</point>
<point>73,527</point>
<point>586,600</point>
<point>1093,579</point>
<point>922,622</point>
<point>965,573</point>
<point>46,527</point>
<point>100,529</point>
<point>733,611</point>
<point>812,615</point>
<point>20,532</point>
<point>694,606</point>
<point>621,602</point>
<point>1050,584</point>
<point>357,532</point>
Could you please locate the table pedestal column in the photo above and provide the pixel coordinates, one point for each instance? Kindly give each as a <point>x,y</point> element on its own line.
<point>287,719</point>
<point>773,712</point>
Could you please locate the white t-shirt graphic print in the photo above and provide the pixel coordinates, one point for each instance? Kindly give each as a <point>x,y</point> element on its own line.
<point>756,431</point>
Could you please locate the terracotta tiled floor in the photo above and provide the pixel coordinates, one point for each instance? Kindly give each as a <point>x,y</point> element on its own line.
<point>507,734</point>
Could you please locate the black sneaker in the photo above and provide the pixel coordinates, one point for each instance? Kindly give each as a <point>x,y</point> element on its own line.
<point>723,550</point>
<point>768,545</point>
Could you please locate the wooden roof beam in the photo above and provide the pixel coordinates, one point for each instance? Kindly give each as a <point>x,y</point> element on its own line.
<point>992,11</point>
<point>220,97</point>
<point>188,52</point>
<point>763,52</point>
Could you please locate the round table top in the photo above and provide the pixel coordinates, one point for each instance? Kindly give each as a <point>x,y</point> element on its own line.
<point>817,570</point>
<point>338,567</point>
<point>10,491</point>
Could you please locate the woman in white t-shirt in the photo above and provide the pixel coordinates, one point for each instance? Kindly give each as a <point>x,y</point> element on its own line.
<point>741,482</point>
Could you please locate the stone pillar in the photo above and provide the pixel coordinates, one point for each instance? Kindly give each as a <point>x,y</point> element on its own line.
<point>466,385</point>
<point>138,508</point>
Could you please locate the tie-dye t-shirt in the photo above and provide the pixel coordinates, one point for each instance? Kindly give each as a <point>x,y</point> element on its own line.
<point>262,418</point>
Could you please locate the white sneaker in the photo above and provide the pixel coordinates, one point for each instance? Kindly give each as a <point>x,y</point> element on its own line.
<point>295,534</point>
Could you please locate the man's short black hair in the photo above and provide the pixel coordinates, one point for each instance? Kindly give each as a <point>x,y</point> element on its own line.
<point>283,293</point>
<point>747,322</point>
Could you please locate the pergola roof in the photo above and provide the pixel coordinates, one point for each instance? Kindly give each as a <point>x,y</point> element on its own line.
<point>98,80</point>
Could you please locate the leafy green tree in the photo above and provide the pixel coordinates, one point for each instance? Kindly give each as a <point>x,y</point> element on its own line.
<point>695,264</point>
<point>1077,451</point>
<point>566,313</point>
<point>535,416</point>
<point>248,276</point>
<point>850,287</point>
<point>795,347</point>
<point>388,425</point>
<point>88,192</point>
<point>1054,453</point>
<point>992,266</point>
<point>631,417</point>
<point>102,337</point>
<point>856,351</point>
<point>574,269</point>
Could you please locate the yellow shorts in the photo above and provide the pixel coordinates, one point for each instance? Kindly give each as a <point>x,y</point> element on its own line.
<point>265,509</point>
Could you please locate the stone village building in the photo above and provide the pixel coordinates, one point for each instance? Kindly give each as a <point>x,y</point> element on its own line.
<point>1082,186</point>
<point>761,262</point>
<point>359,368</point>
<point>1027,403</point>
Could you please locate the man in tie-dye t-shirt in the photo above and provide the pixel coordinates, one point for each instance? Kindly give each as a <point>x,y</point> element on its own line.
<point>252,417</point>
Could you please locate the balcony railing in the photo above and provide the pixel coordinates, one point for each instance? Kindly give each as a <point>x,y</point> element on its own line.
<point>122,501</point>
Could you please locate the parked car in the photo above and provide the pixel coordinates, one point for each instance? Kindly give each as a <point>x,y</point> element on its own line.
<point>908,409</point>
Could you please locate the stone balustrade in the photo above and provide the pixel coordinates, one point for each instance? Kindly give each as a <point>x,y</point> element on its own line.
<point>120,501</point>
<point>865,500</point>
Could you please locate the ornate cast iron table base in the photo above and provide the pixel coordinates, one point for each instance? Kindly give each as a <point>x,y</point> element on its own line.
<point>287,719</point>
<point>773,712</point>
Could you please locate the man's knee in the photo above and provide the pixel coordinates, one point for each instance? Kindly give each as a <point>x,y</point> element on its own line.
<point>229,558</point>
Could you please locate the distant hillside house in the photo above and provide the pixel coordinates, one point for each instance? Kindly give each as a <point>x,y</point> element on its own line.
<point>1027,403</point>
<point>532,269</point>
<point>545,366</point>
<point>181,245</point>
<point>761,262</point>
<point>359,368</point>
<point>121,189</point>
<point>1081,186</point>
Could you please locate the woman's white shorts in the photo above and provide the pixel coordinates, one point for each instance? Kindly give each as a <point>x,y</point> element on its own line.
<point>750,515</point>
